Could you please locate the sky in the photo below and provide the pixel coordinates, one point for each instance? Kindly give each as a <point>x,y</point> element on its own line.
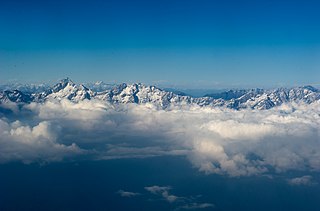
<point>195,44</point>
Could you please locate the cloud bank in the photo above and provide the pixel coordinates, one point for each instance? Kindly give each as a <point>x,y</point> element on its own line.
<point>215,140</point>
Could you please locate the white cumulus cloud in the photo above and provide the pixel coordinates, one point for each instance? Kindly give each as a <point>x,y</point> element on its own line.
<point>215,140</point>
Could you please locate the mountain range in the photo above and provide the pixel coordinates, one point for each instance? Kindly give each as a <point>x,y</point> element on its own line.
<point>141,94</point>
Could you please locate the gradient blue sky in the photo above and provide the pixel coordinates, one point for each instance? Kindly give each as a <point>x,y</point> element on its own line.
<point>183,43</point>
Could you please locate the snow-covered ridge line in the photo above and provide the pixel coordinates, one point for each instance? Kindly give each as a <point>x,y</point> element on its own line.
<point>141,94</point>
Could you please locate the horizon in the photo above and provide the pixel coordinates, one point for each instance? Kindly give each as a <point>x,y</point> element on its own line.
<point>159,85</point>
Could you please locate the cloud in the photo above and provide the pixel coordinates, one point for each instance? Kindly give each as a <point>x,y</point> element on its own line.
<point>215,140</point>
<point>157,189</point>
<point>304,180</point>
<point>127,193</point>
<point>163,191</point>
<point>181,203</point>
<point>194,206</point>
<point>33,143</point>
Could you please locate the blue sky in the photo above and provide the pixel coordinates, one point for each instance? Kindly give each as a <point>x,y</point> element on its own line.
<point>208,44</point>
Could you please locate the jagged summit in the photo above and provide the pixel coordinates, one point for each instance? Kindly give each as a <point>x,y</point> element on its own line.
<point>15,96</point>
<point>66,88</point>
<point>63,84</point>
<point>140,94</point>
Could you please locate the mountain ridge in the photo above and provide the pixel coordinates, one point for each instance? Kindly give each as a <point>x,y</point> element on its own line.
<point>139,93</point>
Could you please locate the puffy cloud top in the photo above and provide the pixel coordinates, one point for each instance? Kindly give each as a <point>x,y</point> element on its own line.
<point>215,140</point>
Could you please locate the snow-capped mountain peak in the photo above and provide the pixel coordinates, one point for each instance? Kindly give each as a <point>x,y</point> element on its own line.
<point>140,94</point>
<point>63,84</point>
<point>67,89</point>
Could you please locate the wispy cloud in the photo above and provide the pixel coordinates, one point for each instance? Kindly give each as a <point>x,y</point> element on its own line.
<point>304,180</point>
<point>163,191</point>
<point>127,193</point>
<point>194,206</point>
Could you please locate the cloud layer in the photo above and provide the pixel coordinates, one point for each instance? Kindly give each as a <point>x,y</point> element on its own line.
<point>215,140</point>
